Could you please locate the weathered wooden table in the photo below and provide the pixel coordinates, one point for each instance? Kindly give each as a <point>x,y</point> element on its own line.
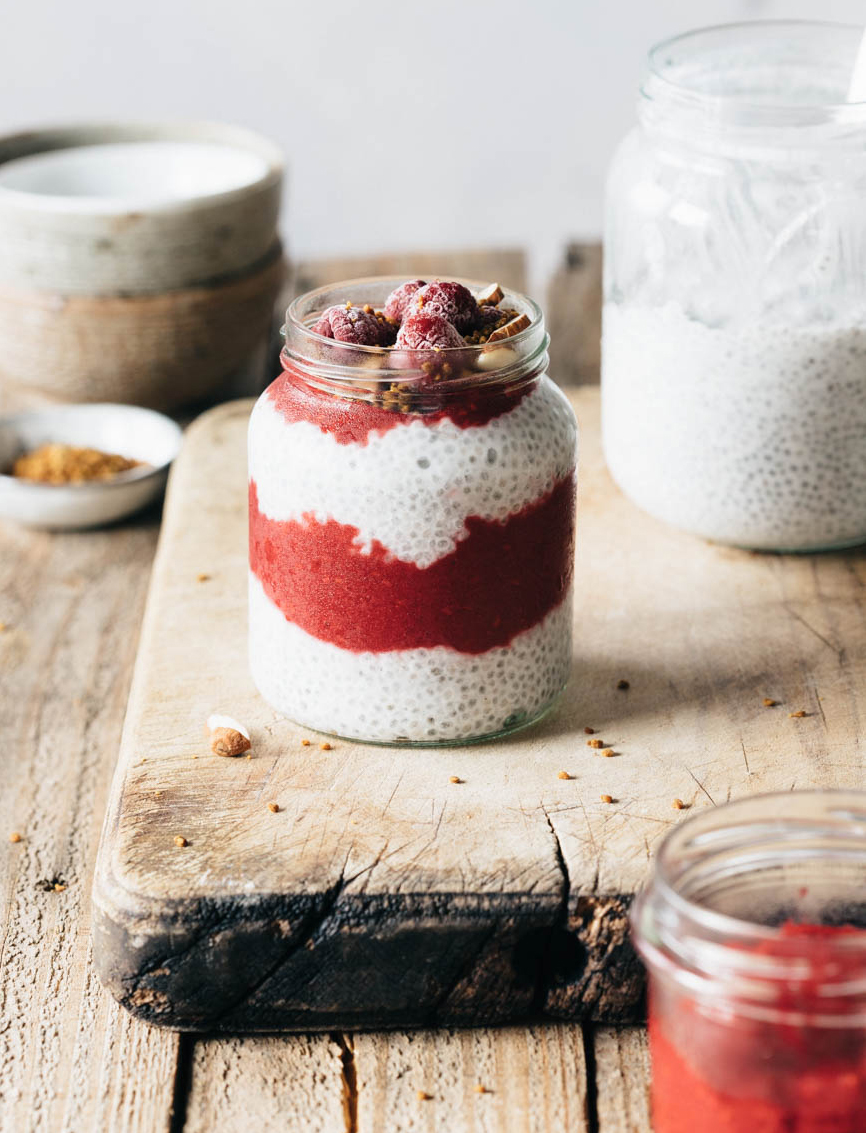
<point>71,1061</point>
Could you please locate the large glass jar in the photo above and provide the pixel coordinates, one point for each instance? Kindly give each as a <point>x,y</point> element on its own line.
<point>754,932</point>
<point>734,343</point>
<point>411,532</point>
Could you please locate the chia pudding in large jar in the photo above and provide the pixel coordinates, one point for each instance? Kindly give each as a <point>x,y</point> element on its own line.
<point>734,344</point>
<point>412,483</point>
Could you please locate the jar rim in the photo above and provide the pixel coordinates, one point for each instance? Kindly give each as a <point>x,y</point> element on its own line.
<point>301,324</point>
<point>523,355</point>
<point>664,79</point>
<point>699,946</point>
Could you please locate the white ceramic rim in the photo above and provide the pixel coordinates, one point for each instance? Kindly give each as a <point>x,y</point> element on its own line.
<point>96,133</point>
<point>121,480</point>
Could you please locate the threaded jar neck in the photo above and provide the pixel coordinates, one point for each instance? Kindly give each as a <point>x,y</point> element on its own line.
<point>770,85</point>
<point>408,380</point>
<point>761,905</point>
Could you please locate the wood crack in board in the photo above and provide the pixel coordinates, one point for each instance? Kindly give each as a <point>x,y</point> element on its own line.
<point>416,899</point>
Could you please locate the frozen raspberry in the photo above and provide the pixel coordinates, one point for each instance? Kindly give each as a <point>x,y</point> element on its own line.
<point>489,318</point>
<point>424,331</point>
<point>352,324</point>
<point>395,304</point>
<point>452,301</point>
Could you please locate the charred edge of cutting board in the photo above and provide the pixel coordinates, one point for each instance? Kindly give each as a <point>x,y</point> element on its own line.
<point>308,962</point>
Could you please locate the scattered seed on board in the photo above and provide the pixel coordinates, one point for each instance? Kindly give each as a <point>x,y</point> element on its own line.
<point>607,752</point>
<point>180,840</point>
<point>423,1096</point>
<point>595,743</point>
<point>479,1089</point>
<point>623,685</point>
<point>202,577</point>
<point>769,702</point>
<point>589,731</point>
<point>14,836</point>
<point>274,808</point>
<point>563,775</point>
<point>325,747</point>
<point>52,885</point>
<point>455,779</point>
<point>606,798</point>
<point>678,804</point>
<point>305,743</point>
<point>798,714</point>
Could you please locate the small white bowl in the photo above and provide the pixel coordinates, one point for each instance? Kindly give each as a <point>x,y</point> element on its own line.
<point>139,434</point>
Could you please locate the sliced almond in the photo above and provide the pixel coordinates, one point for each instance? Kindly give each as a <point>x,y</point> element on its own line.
<point>496,359</point>
<point>515,326</point>
<point>490,295</point>
<point>227,736</point>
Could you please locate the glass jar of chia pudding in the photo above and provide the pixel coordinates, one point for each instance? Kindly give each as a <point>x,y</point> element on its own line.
<point>412,516</point>
<point>734,341</point>
<point>753,928</point>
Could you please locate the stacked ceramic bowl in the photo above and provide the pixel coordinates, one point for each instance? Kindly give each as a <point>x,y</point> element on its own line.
<point>139,264</point>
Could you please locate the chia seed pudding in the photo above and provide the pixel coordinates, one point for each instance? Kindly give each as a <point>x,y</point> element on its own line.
<point>734,341</point>
<point>412,516</point>
<point>754,436</point>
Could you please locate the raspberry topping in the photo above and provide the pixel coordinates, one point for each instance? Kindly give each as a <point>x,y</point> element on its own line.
<point>452,301</point>
<point>425,331</point>
<point>397,301</point>
<point>357,325</point>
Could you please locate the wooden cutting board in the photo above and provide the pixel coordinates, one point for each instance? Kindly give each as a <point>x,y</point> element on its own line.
<point>381,894</point>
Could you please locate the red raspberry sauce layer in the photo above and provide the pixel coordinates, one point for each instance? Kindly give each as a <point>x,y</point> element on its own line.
<point>350,421</point>
<point>502,579</point>
<point>731,1074</point>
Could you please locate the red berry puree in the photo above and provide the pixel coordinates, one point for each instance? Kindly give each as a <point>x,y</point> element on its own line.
<point>502,579</point>
<point>735,1074</point>
<point>351,421</point>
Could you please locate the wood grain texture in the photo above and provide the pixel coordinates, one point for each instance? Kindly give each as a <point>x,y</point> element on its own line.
<point>376,897</point>
<point>534,1080</point>
<point>621,1084</point>
<point>573,310</point>
<point>71,606</point>
<point>287,1084</point>
<point>70,1060</point>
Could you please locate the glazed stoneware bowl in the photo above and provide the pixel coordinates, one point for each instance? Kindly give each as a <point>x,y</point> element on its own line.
<point>139,263</point>
<point>122,209</point>
<point>139,434</point>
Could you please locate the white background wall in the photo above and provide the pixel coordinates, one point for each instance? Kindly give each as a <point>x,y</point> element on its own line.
<point>406,124</point>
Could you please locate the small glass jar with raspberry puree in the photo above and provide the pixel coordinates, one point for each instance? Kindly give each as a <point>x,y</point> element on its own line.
<point>412,477</point>
<point>753,929</point>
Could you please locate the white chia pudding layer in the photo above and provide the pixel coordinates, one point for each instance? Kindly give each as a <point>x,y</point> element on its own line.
<point>415,695</point>
<point>413,487</point>
<point>753,435</point>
